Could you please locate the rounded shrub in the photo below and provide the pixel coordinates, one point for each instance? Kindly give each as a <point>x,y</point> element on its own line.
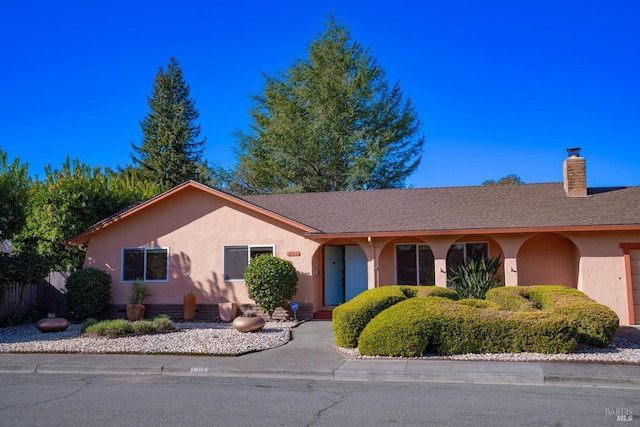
<point>271,281</point>
<point>88,293</point>
<point>595,323</point>
<point>350,318</point>
<point>409,327</point>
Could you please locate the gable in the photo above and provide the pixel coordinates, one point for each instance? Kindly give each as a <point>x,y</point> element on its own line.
<point>210,199</point>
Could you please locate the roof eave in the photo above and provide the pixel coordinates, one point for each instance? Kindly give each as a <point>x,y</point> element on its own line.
<point>461,231</point>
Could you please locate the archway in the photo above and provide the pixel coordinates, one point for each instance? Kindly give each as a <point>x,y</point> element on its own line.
<point>548,259</point>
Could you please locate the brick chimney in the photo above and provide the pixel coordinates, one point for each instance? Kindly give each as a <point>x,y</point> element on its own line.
<point>575,174</point>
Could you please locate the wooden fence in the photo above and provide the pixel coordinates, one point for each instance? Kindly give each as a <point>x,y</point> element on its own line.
<point>18,300</point>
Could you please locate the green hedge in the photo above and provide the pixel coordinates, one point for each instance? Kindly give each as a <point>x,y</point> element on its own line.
<point>409,327</point>
<point>480,303</point>
<point>510,298</point>
<point>405,320</point>
<point>595,323</point>
<point>350,318</point>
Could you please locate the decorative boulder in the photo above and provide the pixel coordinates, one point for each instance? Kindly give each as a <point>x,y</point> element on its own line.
<point>248,324</point>
<point>57,324</point>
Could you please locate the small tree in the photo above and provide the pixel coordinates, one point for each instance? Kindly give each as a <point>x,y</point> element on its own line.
<point>474,278</point>
<point>271,281</point>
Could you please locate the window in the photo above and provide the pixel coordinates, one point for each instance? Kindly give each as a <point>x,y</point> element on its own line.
<point>414,265</point>
<point>236,259</point>
<point>147,264</point>
<point>460,252</point>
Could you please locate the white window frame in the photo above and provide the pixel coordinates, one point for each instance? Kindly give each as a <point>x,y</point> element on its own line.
<point>249,247</point>
<point>395,258</point>
<point>144,260</point>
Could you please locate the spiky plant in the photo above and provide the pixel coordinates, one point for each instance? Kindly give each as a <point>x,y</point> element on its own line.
<point>475,277</point>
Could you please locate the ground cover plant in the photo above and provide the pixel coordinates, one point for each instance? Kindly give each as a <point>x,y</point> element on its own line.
<point>122,327</point>
<point>407,321</point>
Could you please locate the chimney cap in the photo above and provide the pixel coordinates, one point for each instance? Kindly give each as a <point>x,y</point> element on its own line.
<point>573,152</point>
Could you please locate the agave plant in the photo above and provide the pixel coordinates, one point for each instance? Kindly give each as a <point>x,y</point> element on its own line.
<point>475,277</point>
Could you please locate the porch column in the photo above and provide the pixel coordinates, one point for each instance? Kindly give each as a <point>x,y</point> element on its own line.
<point>372,272</point>
<point>510,271</point>
<point>441,272</point>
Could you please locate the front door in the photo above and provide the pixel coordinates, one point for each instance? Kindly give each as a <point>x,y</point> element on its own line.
<point>333,275</point>
<point>345,273</point>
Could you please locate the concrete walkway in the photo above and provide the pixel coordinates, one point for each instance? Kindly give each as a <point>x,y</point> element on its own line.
<point>311,355</point>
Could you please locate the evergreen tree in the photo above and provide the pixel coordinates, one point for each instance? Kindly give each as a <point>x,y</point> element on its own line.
<point>170,152</point>
<point>330,122</point>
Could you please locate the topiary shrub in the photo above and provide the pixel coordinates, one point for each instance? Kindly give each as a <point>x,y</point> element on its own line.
<point>410,327</point>
<point>431,291</point>
<point>510,298</point>
<point>480,303</point>
<point>350,318</point>
<point>271,281</point>
<point>88,293</point>
<point>596,324</point>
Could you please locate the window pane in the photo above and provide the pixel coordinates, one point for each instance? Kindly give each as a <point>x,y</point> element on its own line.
<point>235,262</point>
<point>260,250</point>
<point>133,264</point>
<point>455,257</point>
<point>477,251</point>
<point>427,266</point>
<point>156,264</point>
<point>406,264</point>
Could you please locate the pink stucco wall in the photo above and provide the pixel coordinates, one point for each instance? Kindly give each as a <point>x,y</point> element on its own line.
<point>196,226</point>
<point>592,262</point>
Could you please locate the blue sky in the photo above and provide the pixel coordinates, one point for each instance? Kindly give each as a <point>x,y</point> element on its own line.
<point>501,87</point>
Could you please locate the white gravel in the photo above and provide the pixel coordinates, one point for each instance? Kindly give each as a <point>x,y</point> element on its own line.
<point>620,351</point>
<point>190,338</point>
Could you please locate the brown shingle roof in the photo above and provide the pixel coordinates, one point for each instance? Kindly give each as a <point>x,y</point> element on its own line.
<point>456,208</point>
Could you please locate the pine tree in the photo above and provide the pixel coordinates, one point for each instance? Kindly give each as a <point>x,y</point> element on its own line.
<point>330,122</point>
<point>170,152</point>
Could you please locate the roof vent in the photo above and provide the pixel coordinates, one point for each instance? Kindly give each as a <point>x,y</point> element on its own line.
<point>575,174</point>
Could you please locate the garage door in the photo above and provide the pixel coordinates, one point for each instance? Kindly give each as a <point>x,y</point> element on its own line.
<point>635,282</point>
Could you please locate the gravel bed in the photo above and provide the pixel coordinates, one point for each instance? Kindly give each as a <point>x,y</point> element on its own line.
<point>190,338</point>
<point>620,351</point>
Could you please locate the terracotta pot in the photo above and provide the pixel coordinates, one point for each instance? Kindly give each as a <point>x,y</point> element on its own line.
<point>189,307</point>
<point>135,312</point>
<point>57,324</point>
<point>248,324</point>
<point>227,311</point>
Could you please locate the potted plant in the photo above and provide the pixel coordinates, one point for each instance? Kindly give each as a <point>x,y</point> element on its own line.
<point>189,305</point>
<point>135,308</point>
